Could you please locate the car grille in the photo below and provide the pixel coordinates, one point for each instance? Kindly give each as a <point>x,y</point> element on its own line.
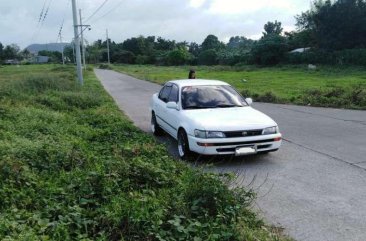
<point>242,143</point>
<point>233,134</point>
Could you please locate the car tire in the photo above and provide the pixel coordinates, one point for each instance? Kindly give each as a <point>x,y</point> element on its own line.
<point>155,128</point>
<point>183,145</point>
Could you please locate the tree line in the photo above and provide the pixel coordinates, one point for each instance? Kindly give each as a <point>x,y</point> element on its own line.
<point>332,32</point>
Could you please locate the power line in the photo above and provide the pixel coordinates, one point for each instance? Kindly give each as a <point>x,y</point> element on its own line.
<point>46,13</point>
<point>108,12</point>
<point>41,15</point>
<point>60,31</point>
<point>96,11</point>
<point>63,21</point>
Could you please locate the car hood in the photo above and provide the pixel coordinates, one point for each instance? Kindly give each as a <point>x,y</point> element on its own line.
<point>229,119</point>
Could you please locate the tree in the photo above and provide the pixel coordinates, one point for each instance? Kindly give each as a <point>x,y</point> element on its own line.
<point>1,52</point>
<point>178,56</point>
<point>274,28</point>
<point>336,25</point>
<point>11,51</point>
<point>240,42</point>
<point>54,56</point>
<point>269,50</point>
<point>25,54</point>
<point>123,56</point>
<point>208,57</point>
<point>162,44</point>
<point>211,42</point>
<point>300,39</point>
<point>194,48</point>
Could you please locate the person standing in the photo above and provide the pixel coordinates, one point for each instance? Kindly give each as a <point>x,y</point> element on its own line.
<point>192,74</point>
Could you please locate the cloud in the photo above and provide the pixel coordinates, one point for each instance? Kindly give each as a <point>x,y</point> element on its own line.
<point>190,20</point>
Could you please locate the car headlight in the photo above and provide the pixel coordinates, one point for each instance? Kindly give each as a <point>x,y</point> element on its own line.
<point>200,134</point>
<point>215,134</point>
<point>209,134</point>
<point>270,130</point>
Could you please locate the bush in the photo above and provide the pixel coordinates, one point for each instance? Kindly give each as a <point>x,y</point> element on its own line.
<point>269,50</point>
<point>317,56</point>
<point>73,168</point>
<point>208,57</point>
<point>105,66</point>
<point>122,56</point>
<point>177,57</point>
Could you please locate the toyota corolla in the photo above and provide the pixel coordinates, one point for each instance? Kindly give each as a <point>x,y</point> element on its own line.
<point>210,117</point>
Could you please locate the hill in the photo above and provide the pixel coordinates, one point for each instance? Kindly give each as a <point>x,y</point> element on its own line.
<point>35,48</point>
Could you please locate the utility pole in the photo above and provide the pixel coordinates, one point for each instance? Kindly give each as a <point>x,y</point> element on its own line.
<point>82,39</point>
<point>63,57</point>
<point>109,60</point>
<point>77,44</point>
<point>73,51</point>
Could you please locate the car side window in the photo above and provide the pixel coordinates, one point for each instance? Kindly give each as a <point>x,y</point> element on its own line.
<point>174,93</point>
<point>164,93</point>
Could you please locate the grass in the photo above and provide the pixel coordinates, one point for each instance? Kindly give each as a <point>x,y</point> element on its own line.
<point>73,167</point>
<point>327,86</point>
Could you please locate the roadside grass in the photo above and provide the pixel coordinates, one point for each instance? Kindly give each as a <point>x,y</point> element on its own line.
<point>73,167</point>
<point>327,86</point>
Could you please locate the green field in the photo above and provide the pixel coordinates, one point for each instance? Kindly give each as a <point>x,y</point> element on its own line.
<point>326,86</point>
<point>73,167</point>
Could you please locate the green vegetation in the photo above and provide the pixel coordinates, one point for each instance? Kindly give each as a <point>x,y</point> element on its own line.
<point>326,86</point>
<point>331,32</point>
<point>72,167</point>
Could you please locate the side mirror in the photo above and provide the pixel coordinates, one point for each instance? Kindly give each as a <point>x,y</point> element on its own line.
<point>172,105</point>
<point>249,101</point>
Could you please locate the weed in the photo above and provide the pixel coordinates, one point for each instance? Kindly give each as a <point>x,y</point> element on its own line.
<point>72,167</point>
<point>280,84</point>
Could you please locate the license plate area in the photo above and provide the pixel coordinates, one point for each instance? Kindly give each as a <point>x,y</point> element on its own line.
<point>245,150</point>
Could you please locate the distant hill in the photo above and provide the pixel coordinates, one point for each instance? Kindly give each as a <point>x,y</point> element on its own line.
<point>35,48</point>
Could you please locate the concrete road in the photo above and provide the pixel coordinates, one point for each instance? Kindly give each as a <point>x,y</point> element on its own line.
<point>314,186</point>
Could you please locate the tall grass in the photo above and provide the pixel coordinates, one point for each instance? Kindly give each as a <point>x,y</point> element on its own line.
<point>72,167</point>
<point>328,86</point>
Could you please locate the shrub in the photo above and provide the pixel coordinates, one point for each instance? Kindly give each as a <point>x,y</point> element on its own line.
<point>269,50</point>
<point>79,170</point>
<point>178,56</point>
<point>208,57</point>
<point>105,66</point>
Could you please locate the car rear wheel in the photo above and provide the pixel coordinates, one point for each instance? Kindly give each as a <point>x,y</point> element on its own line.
<point>183,145</point>
<point>155,128</point>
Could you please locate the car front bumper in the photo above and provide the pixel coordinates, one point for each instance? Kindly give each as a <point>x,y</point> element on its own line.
<point>226,146</point>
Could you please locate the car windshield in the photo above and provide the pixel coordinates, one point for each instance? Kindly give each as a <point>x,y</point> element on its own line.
<point>215,96</point>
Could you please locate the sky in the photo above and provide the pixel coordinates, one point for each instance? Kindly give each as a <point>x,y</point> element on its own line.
<point>24,22</point>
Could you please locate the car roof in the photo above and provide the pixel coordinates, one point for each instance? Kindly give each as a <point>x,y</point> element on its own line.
<point>196,82</point>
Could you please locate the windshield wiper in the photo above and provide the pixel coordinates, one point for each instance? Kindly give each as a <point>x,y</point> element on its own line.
<point>227,106</point>
<point>195,107</point>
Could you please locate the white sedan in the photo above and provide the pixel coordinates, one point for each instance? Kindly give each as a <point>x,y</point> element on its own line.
<point>210,117</point>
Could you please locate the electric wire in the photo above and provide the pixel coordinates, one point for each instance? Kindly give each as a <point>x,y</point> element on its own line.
<point>46,13</point>
<point>62,23</point>
<point>96,11</point>
<point>108,12</point>
<point>41,14</point>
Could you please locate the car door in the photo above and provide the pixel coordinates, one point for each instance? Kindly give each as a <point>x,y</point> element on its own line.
<point>160,106</point>
<point>172,115</point>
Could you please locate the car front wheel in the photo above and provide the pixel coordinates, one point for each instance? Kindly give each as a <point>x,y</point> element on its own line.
<point>183,145</point>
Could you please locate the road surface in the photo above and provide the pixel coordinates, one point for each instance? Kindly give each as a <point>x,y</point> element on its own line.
<point>314,186</point>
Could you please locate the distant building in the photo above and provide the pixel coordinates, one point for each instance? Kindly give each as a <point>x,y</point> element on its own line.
<point>11,61</point>
<point>40,59</point>
<point>300,50</point>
